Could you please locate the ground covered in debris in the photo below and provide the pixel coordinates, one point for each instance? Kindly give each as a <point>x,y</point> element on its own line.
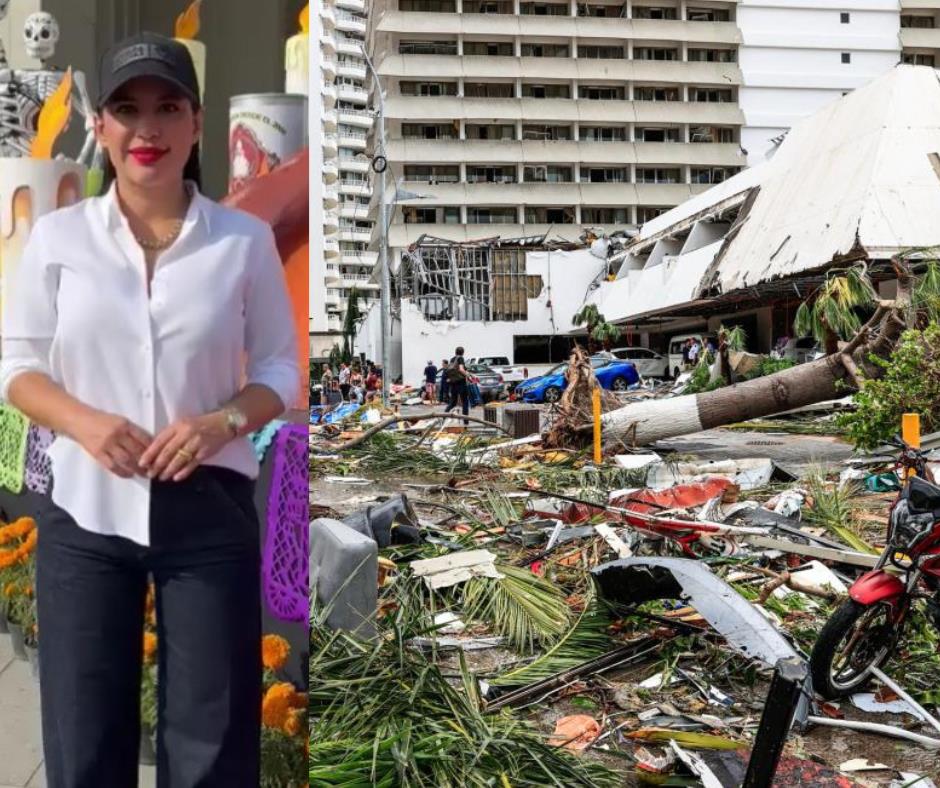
<point>520,632</point>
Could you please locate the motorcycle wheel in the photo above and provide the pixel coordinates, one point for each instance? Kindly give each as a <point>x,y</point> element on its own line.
<point>856,639</point>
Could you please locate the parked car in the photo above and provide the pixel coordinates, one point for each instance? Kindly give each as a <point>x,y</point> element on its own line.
<point>799,350</point>
<point>492,386</point>
<point>511,374</point>
<point>648,363</point>
<point>677,344</point>
<point>612,374</point>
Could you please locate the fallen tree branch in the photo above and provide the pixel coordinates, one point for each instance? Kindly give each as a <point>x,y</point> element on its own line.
<point>413,417</point>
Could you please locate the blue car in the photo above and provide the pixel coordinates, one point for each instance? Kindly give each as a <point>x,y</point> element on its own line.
<point>611,373</point>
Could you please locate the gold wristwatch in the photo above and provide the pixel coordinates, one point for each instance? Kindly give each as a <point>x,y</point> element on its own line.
<point>235,420</point>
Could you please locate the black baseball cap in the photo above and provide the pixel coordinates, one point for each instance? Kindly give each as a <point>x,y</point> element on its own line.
<point>147,55</point>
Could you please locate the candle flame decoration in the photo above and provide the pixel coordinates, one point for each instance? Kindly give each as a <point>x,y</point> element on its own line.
<point>187,23</point>
<point>53,118</point>
<point>305,19</point>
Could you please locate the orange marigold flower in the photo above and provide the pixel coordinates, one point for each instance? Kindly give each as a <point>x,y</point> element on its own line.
<point>277,704</point>
<point>9,589</point>
<point>274,652</point>
<point>296,722</point>
<point>150,646</point>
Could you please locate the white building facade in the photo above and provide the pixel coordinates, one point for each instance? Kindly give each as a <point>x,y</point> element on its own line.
<point>340,222</point>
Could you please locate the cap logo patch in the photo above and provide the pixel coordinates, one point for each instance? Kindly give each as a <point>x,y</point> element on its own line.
<point>141,52</point>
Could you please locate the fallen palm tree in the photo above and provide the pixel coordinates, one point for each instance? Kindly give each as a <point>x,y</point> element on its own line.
<point>827,378</point>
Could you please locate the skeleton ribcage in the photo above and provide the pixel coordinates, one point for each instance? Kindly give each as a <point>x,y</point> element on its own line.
<point>22,94</point>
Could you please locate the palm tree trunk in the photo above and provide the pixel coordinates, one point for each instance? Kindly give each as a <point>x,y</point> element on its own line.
<point>648,421</point>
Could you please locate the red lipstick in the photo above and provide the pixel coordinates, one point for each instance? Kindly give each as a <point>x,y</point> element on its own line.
<point>148,155</point>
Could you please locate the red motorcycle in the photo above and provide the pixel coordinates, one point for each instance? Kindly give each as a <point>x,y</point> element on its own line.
<point>865,630</point>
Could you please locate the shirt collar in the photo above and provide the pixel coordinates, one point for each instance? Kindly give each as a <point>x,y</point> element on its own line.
<point>199,208</point>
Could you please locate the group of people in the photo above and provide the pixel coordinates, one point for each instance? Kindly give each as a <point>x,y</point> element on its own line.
<point>456,385</point>
<point>351,383</point>
<point>693,349</point>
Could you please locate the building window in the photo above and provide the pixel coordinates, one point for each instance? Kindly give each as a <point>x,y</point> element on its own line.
<point>654,12</point>
<point>712,174</point>
<point>546,91</point>
<point>601,52</point>
<point>408,88</point>
<point>603,133</point>
<point>601,92</point>
<point>658,175</point>
<point>434,6</point>
<point>546,133</point>
<point>545,50</point>
<point>427,48</point>
<point>431,173</point>
<point>588,9</point>
<point>708,15</point>
<point>543,9</point>
<point>492,131</point>
<point>712,56</point>
<point>846,57</point>
<point>604,216</point>
<point>488,48</point>
<point>711,134</point>
<point>604,174</point>
<point>917,59</point>
<point>489,89</point>
<point>655,53</point>
<point>651,93</point>
<point>535,214</point>
<point>444,215</point>
<point>645,213</point>
<point>491,216</point>
<point>711,95</point>
<point>657,134</point>
<point>547,173</point>
<point>912,20</point>
<point>845,17</point>
<point>490,174</point>
<point>428,131</point>
<point>487,7</point>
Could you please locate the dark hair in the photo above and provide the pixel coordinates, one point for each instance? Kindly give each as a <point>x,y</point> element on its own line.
<point>191,172</point>
<point>459,351</point>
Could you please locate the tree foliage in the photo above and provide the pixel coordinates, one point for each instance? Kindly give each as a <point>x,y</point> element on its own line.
<point>832,312</point>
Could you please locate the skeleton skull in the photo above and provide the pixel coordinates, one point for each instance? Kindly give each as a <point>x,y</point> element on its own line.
<point>41,34</point>
<point>4,8</point>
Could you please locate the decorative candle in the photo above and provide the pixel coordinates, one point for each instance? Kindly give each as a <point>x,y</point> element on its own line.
<point>297,57</point>
<point>186,30</point>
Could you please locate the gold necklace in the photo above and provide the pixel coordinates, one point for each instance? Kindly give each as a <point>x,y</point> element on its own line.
<point>161,243</point>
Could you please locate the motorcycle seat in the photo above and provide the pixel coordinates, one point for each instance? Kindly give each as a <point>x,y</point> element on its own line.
<point>923,496</point>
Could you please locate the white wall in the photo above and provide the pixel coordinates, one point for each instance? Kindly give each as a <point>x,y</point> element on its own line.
<point>566,277</point>
<point>791,59</point>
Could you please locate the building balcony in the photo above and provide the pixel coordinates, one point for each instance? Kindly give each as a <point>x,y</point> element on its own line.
<point>348,46</point>
<point>920,38</point>
<point>330,248</point>
<point>360,188</point>
<point>350,23</point>
<point>328,67</point>
<point>357,70</point>
<point>330,119</point>
<point>450,108</point>
<point>365,259</point>
<point>332,277</point>
<point>329,95</point>
<point>330,222</point>
<point>359,281</point>
<point>413,23</point>
<point>354,211</point>
<point>354,164</point>
<point>352,5</point>
<point>554,194</point>
<point>328,17</point>
<point>334,322</point>
<point>330,197</point>
<point>562,152</point>
<point>330,172</point>
<point>359,234</point>
<point>566,68</point>
<point>328,43</point>
<point>362,118</point>
<point>352,93</point>
<point>330,145</point>
<point>352,140</point>
<point>331,298</point>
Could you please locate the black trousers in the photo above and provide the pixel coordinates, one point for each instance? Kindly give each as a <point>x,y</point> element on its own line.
<point>90,591</point>
<point>458,391</point>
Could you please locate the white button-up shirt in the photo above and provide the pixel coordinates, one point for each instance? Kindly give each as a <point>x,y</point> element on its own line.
<point>218,316</point>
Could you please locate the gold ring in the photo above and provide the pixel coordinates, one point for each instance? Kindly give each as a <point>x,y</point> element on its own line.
<point>186,455</point>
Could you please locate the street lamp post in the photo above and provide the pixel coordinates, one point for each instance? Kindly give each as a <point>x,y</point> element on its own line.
<point>386,284</point>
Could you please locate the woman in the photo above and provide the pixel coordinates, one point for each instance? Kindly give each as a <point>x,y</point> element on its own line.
<point>132,317</point>
<point>355,385</point>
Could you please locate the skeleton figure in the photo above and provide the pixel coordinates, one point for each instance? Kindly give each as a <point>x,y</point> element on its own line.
<point>24,91</point>
<point>41,34</point>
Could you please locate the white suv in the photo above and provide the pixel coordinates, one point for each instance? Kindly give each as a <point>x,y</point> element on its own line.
<point>648,363</point>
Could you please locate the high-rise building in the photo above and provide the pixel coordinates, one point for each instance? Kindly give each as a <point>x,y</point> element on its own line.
<point>342,216</point>
<point>521,117</point>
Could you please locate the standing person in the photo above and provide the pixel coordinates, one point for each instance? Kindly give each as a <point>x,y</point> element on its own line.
<point>137,316</point>
<point>445,389</point>
<point>344,379</point>
<point>457,380</point>
<point>430,382</point>
<point>694,350</point>
<point>355,385</point>
<point>326,383</point>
